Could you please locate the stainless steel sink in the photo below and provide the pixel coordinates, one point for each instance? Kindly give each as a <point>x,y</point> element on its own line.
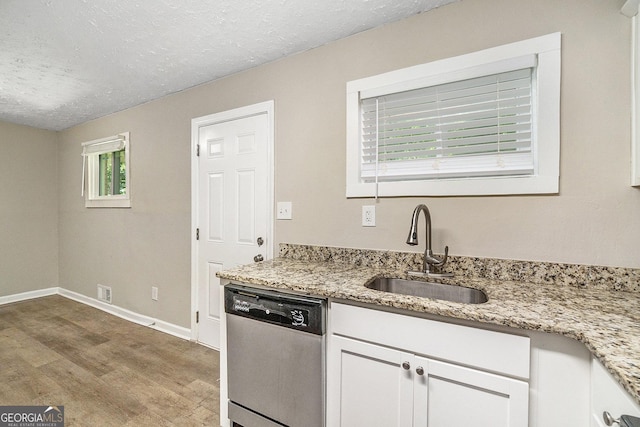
<point>417,288</point>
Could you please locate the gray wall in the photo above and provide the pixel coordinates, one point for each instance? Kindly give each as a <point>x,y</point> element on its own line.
<point>594,219</point>
<point>28,209</point>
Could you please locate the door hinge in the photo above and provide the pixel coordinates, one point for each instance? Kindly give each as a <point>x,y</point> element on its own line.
<point>197,317</point>
<point>198,150</point>
<point>197,234</point>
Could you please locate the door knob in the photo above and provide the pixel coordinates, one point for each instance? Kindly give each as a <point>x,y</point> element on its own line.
<point>258,258</point>
<point>420,370</point>
<point>406,366</point>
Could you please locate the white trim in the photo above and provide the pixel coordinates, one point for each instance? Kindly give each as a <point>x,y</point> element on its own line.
<point>171,329</point>
<point>635,99</point>
<point>442,72</point>
<point>90,163</point>
<point>238,113</point>
<point>123,313</point>
<point>545,179</point>
<point>114,202</point>
<point>24,296</point>
<point>105,145</point>
<point>266,107</point>
<point>461,66</point>
<point>109,308</point>
<point>630,8</point>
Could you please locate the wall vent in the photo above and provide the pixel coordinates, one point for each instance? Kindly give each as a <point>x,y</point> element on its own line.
<point>104,293</point>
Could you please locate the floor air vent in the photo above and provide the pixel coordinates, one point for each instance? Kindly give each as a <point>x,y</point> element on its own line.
<point>104,293</point>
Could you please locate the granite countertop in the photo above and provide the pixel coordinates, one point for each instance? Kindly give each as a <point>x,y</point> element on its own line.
<point>606,321</point>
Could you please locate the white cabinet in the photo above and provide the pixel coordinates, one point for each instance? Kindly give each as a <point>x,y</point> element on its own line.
<point>380,386</point>
<point>559,384</point>
<point>608,395</point>
<point>412,383</point>
<point>455,396</point>
<point>373,389</point>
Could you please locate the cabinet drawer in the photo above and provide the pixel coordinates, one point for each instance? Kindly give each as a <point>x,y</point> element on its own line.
<point>489,350</point>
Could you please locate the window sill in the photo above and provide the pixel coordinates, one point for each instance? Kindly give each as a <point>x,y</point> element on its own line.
<point>108,203</point>
<point>490,186</point>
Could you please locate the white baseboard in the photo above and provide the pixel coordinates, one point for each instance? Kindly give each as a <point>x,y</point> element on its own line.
<point>159,325</point>
<point>109,308</point>
<point>23,296</point>
<point>132,316</point>
<point>171,329</point>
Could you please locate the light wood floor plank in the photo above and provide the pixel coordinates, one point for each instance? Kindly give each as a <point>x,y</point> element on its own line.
<point>103,369</point>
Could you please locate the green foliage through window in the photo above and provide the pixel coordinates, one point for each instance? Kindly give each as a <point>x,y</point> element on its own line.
<point>112,173</point>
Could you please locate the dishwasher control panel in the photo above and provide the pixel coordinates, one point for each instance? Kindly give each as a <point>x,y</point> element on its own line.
<point>302,313</point>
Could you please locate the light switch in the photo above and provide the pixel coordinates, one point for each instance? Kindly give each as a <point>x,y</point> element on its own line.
<point>284,210</point>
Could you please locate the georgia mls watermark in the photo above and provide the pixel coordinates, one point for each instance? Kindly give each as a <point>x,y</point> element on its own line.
<point>31,416</point>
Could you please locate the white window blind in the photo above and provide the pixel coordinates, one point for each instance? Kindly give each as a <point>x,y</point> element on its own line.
<point>472,128</point>
<point>109,145</point>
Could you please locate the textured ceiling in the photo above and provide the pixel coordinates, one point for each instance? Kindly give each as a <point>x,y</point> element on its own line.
<point>63,62</point>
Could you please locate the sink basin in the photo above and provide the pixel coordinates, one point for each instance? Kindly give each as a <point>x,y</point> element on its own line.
<point>417,288</point>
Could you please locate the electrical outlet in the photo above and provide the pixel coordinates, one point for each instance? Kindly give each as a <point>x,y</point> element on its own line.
<point>368,216</point>
<point>284,210</point>
<point>154,293</point>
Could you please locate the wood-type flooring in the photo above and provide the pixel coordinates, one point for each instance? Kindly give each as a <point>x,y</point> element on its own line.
<point>104,370</point>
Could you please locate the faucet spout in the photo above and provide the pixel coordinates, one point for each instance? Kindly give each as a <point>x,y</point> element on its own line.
<point>429,261</point>
<point>413,231</point>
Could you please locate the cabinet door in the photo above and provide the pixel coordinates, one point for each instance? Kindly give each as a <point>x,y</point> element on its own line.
<point>608,395</point>
<point>453,396</point>
<point>368,386</point>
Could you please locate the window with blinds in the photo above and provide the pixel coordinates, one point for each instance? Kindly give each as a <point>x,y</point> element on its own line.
<point>475,127</point>
<point>484,123</point>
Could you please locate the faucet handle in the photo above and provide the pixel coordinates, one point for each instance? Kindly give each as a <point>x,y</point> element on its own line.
<point>440,262</point>
<point>446,255</point>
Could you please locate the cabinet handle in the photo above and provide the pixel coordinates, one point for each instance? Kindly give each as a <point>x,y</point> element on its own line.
<point>608,419</point>
<point>420,370</point>
<point>406,366</point>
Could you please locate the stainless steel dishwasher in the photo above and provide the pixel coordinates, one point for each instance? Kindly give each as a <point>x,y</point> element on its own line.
<point>275,358</point>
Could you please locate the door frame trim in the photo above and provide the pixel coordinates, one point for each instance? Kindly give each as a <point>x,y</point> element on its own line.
<point>267,108</point>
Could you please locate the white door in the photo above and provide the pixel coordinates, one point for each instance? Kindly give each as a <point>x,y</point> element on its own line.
<point>371,388</point>
<point>447,395</point>
<point>234,200</point>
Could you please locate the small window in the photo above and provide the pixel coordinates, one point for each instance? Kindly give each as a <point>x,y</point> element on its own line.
<point>478,124</point>
<point>106,162</point>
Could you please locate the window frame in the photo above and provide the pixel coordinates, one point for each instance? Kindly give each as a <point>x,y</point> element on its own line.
<point>546,109</point>
<point>91,174</point>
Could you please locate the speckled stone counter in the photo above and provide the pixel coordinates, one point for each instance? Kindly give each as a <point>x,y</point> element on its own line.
<point>597,306</point>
